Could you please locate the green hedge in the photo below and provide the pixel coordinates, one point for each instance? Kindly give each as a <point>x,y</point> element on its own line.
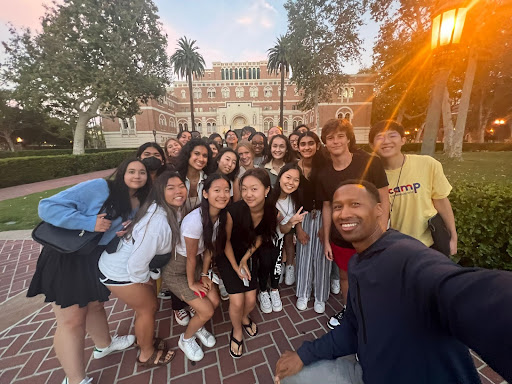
<point>52,152</point>
<point>483,216</point>
<point>23,170</point>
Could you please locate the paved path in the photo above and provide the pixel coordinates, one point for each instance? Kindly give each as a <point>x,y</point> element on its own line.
<point>40,186</point>
<point>27,357</point>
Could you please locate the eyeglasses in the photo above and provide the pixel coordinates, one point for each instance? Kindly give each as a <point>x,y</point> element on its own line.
<point>257,144</point>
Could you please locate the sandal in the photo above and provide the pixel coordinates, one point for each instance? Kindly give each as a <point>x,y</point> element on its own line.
<point>239,345</point>
<point>248,328</point>
<point>158,343</point>
<point>164,359</point>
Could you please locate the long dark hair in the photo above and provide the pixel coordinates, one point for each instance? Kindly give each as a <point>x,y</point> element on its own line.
<point>319,159</point>
<point>269,210</point>
<point>288,156</point>
<point>157,195</point>
<point>216,247</point>
<point>184,157</point>
<point>118,201</point>
<point>276,190</point>
<point>231,176</point>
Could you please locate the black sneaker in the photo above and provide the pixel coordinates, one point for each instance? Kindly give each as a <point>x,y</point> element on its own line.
<point>335,320</point>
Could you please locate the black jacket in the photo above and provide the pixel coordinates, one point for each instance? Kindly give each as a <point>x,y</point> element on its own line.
<point>411,312</point>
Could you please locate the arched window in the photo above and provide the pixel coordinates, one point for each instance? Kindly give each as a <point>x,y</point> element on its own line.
<point>257,73</point>
<point>239,91</point>
<point>225,92</point>
<point>348,116</point>
<point>279,92</point>
<point>183,94</point>
<point>294,124</point>
<point>267,91</point>
<point>285,126</point>
<point>162,120</point>
<point>180,127</point>
<point>352,92</point>
<point>253,91</point>
<point>197,93</point>
<point>240,73</point>
<point>211,93</point>
<point>209,128</point>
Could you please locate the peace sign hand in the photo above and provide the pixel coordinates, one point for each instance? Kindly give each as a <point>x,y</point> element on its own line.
<point>298,217</point>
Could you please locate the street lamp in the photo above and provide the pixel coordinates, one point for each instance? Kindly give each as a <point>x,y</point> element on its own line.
<point>447,27</point>
<point>154,135</point>
<point>19,140</point>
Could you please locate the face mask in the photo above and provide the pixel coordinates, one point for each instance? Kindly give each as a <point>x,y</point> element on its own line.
<point>152,163</point>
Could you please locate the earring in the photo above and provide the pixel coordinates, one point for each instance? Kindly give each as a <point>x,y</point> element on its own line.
<point>265,195</point>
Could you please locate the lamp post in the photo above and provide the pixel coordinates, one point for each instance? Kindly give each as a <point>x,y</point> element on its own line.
<point>447,26</point>
<point>154,135</point>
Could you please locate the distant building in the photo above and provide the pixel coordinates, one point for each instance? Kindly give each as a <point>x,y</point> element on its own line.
<point>233,95</point>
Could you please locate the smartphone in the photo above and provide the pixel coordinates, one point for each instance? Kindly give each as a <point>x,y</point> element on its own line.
<point>202,294</point>
<point>245,280</point>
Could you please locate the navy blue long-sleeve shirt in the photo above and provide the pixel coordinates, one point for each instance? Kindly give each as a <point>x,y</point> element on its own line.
<point>412,314</point>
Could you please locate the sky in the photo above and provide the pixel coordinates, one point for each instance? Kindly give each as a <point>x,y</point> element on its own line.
<point>225,30</point>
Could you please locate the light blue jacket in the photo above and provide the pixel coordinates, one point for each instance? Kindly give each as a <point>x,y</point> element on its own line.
<point>78,207</point>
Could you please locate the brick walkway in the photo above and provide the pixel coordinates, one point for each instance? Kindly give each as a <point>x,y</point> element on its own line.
<point>26,354</point>
<point>40,186</point>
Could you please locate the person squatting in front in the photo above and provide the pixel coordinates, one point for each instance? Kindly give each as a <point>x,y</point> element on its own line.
<point>126,272</point>
<point>203,232</point>
<point>71,281</point>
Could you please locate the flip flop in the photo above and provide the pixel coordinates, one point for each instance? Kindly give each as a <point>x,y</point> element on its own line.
<point>238,343</point>
<point>248,328</point>
<point>161,361</point>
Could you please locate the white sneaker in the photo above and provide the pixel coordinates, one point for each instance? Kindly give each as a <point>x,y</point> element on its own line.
<point>224,295</point>
<point>281,276</point>
<point>290,275</point>
<point>265,304</point>
<point>319,306</point>
<point>335,287</point>
<point>277,305</point>
<point>190,348</point>
<point>182,317</point>
<point>302,303</point>
<point>118,343</point>
<point>87,380</point>
<point>155,273</point>
<point>206,337</point>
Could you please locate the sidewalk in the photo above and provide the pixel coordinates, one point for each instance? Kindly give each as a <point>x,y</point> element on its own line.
<point>27,357</point>
<point>40,186</point>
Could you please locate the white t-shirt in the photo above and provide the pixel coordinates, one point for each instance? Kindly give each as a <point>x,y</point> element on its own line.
<point>192,227</point>
<point>287,209</point>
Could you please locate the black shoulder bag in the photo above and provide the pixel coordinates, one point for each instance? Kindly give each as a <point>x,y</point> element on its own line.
<point>440,234</point>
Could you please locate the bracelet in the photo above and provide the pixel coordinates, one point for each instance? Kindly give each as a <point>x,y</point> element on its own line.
<point>205,274</point>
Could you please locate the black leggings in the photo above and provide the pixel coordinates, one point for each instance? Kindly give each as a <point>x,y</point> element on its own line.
<point>270,256</point>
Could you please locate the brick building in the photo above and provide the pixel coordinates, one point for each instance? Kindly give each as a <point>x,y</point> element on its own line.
<point>233,95</point>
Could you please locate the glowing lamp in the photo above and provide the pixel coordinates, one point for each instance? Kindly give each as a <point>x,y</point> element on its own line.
<point>447,27</point>
<point>19,140</point>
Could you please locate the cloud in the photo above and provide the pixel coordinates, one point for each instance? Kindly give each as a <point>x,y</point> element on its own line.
<point>244,20</point>
<point>261,13</point>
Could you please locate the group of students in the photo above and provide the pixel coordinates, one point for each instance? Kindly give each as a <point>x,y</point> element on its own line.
<point>198,215</point>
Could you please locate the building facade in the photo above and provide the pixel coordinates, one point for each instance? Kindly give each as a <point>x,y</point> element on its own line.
<point>233,95</point>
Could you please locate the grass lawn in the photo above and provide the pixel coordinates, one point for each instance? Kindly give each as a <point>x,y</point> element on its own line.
<point>21,212</point>
<point>493,167</point>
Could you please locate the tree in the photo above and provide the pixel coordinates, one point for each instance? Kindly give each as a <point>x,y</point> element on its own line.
<point>322,35</point>
<point>187,62</point>
<point>93,57</point>
<point>278,63</point>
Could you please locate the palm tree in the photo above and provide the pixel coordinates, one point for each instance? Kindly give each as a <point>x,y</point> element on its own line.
<point>187,62</point>
<point>278,63</point>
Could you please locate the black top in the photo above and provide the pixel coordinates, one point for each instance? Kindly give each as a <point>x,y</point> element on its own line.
<point>307,194</point>
<point>329,179</point>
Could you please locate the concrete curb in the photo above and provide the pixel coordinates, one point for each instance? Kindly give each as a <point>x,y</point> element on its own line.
<point>23,234</point>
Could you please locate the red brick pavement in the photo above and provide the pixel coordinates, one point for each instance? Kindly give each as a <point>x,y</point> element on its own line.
<point>17,265</point>
<point>26,354</point>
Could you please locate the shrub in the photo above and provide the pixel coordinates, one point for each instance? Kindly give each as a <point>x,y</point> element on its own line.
<point>23,170</point>
<point>483,217</point>
<point>466,147</point>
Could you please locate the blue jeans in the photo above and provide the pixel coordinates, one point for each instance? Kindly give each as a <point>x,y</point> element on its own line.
<point>343,370</point>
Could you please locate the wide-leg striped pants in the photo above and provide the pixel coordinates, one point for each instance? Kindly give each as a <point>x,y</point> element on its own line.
<point>313,268</point>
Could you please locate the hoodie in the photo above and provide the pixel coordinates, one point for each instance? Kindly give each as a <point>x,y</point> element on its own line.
<point>412,314</point>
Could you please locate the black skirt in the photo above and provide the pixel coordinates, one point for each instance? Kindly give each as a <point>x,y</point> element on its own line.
<point>230,278</point>
<point>68,279</point>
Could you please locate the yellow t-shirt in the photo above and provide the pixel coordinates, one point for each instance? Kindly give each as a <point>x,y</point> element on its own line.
<point>422,179</point>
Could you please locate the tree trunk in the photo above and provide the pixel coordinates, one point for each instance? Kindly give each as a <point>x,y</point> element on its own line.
<point>434,111</point>
<point>447,122</point>
<point>317,118</point>
<point>481,126</point>
<point>400,115</point>
<point>7,136</point>
<point>281,101</point>
<point>460,126</point>
<point>189,76</point>
<point>81,126</point>
<point>418,134</point>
